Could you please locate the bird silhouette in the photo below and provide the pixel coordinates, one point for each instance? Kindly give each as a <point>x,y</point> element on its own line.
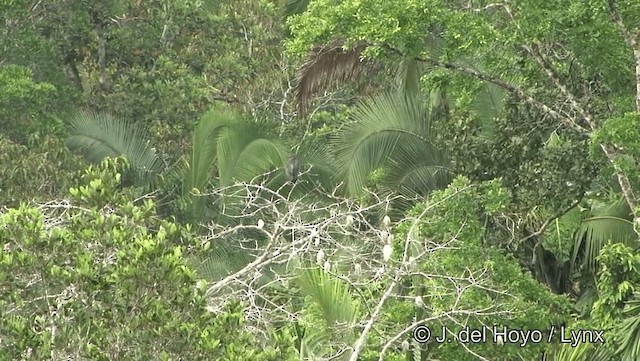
<point>292,169</point>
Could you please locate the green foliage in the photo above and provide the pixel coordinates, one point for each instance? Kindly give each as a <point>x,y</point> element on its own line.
<point>329,314</point>
<point>24,45</point>
<point>26,105</point>
<point>624,133</point>
<point>103,276</point>
<point>616,310</point>
<point>450,228</point>
<point>44,170</point>
<point>611,223</point>
<point>161,64</point>
<point>106,279</point>
<point>539,173</point>
<point>99,136</point>
<point>392,132</point>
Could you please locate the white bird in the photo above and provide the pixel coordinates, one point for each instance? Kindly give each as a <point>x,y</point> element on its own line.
<point>314,232</point>
<point>387,250</point>
<point>405,345</point>
<point>349,220</point>
<point>419,302</point>
<point>260,223</point>
<point>386,221</point>
<point>379,273</point>
<point>358,269</point>
<point>320,256</point>
<point>412,263</point>
<point>327,266</point>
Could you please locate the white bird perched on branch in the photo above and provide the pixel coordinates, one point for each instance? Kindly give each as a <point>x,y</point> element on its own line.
<point>387,250</point>
<point>386,221</point>
<point>358,269</point>
<point>327,266</point>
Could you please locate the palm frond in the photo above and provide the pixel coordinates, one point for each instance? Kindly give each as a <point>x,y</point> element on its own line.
<point>609,223</point>
<point>203,157</point>
<point>294,7</point>
<point>244,150</point>
<point>319,165</point>
<point>247,149</point>
<point>327,65</point>
<point>339,308</point>
<point>629,331</point>
<point>333,296</point>
<point>220,261</point>
<point>388,131</point>
<point>417,168</point>
<point>583,351</point>
<point>488,105</point>
<point>98,136</point>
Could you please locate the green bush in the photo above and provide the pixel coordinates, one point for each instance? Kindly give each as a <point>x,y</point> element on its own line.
<point>103,278</point>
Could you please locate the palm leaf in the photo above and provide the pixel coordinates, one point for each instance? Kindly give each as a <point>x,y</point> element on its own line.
<point>629,331</point>
<point>203,156</point>
<point>221,261</point>
<point>294,7</point>
<point>247,149</point>
<point>417,168</point>
<point>583,351</point>
<point>319,165</point>
<point>339,308</point>
<point>316,179</point>
<point>242,150</point>
<point>390,131</point>
<point>488,105</point>
<point>333,296</point>
<point>238,149</point>
<point>326,65</point>
<point>98,136</point>
<point>609,223</point>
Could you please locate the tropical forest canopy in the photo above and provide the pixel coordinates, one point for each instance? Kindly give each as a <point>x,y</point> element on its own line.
<point>315,180</point>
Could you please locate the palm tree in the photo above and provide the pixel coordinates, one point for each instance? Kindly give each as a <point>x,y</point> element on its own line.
<point>391,133</point>
<point>337,308</point>
<point>226,148</point>
<point>240,149</point>
<point>98,136</point>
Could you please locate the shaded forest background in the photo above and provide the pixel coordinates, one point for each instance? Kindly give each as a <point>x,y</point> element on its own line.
<point>458,164</point>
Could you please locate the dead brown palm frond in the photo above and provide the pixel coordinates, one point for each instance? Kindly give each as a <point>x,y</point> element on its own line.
<point>326,65</point>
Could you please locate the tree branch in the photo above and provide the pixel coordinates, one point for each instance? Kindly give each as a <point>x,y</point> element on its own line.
<point>631,40</point>
<point>545,64</point>
<point>519,93</point>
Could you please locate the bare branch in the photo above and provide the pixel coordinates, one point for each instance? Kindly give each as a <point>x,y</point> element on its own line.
<point>517,92</point>
<point>631,41</point>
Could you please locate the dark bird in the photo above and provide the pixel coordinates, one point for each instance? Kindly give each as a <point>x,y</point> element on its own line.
<point>292,169</point>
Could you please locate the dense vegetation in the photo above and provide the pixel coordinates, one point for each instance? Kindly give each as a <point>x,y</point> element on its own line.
<point>314,180</point>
